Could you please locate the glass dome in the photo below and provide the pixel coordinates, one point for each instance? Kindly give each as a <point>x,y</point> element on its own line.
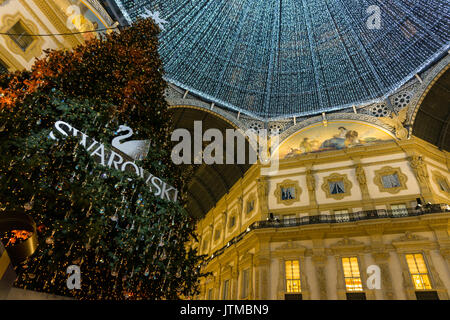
<point>282,58</point>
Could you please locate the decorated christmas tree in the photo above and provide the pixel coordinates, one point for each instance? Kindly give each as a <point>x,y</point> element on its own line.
<point>120,220</point>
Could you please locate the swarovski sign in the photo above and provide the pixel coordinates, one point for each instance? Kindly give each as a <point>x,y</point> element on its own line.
<point>110,158</point>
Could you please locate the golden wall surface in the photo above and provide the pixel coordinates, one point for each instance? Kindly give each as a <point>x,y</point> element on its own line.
<point>363,222</point>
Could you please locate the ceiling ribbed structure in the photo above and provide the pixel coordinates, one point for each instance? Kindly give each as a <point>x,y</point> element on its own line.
<point>281,58</point>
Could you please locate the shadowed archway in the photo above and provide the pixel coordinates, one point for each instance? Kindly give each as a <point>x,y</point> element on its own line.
<point>432,122</point>
<point>208,183</point>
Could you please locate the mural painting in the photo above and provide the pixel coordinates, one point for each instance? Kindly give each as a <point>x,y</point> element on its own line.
<point>337,135</point>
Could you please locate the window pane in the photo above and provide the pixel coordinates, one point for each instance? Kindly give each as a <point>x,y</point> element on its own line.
<point>426,282</point>
<point>20,36</point>
<point>417,282</point>
<point>292,268</point>
<point>390,181</point>
<point>419,271</point>
<point>411,264</point>
<point>287,193</point>
<point>351,274</point>
<point>336,187</point>
<point>292,286</point>
<point>443,184</point>
<point>420,263</point>
<point>346,267</point>
<point>353,284</point>
<point>355,268</point>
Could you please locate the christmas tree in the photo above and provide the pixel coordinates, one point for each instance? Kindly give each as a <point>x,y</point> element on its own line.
<point>128,239</point>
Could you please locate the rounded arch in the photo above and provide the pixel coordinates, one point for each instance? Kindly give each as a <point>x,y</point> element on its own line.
<point>427,83</point>
<point>208,183</point>
<point>430,119</point>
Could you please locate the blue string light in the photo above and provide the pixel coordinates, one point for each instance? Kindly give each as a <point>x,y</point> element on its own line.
<point>281,58</point>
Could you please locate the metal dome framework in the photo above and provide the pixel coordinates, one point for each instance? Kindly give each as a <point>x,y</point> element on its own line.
<point>282,58</point>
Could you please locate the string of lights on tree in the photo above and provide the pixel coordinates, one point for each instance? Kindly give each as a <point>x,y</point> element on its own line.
<point>279,58</point>
<point>128,243</point>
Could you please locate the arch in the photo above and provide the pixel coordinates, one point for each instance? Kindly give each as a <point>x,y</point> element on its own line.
<point>208,183</point>
<point>434,74</point>
<point>432,114</point>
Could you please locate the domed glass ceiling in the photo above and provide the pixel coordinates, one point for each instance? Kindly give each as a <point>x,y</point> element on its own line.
<point>280,58</point>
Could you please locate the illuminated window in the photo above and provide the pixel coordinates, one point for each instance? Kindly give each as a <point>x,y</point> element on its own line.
<point>226,286</point>
<point>292,276</point>
<point>391,181</point>
<point>351,274</point>
<point>336,187</point>
<point>418,271</point>
<point>20,36</point>
<point>399,210</point>
<point>245,283</point>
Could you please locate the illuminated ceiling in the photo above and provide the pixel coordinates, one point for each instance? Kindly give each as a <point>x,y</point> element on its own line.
<point>280,58</point>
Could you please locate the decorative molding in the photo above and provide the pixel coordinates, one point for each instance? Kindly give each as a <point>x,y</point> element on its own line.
<point>387,170</point>
<point>347,242</point>
<point>58,19</point>
<point>262,187</point>
<point>288,183</point>
<point>395,122</point>
<point>360,175</point>
<point>334,177</point>
<point>436,175</point>
<point>408,236</point>
<point>11,62</point>
<point>290,245</point>
<point>34,49</point>
<point>419,168</point>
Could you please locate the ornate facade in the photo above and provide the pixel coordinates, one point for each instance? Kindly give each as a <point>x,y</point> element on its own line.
<point>370,220</point>
<point>359,205</point>
<point>24,22</point>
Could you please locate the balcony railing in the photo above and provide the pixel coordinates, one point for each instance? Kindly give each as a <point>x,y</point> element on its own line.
<point>338,218</point>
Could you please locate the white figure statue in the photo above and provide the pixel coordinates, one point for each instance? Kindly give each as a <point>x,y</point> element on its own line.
<point>136,149</point>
